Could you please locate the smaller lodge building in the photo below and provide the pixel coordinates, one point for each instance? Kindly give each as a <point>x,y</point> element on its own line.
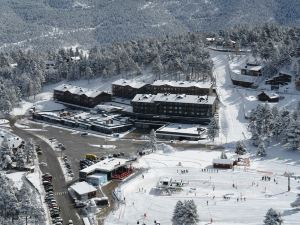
<point>223,163</point>
<point>80,96</point>
<point>111,168</point>
<point>128,88</point>
<point>83,191</point>
<point>268,97</point>
<point>176,131</point>
<point>282,79</point>
<point>247,75</point>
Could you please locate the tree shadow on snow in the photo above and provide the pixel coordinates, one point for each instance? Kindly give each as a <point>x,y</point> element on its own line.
<point>290,212</point>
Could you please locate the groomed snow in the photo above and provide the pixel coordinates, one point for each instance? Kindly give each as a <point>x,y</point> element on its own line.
<point>141,197</point>
<point>236,102</point>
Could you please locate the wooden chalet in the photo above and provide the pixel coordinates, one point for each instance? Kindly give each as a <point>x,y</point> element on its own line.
<point>248,75</point>
<point>268,97</point>
<point>283,78</point>
<point>223,163</point>
<point>80,96</point>
<point>128,88</point>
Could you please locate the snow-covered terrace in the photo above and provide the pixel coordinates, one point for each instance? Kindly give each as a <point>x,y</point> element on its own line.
<point>186,84</point>
<point>78,90</point>
<point>106,165</point>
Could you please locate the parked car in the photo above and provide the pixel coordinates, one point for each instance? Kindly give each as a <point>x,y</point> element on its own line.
<point>39,152</point>
<point>58,219</point>
<point>46,182</point>
<point>79,204</point>
<point>54,215</point>
<point>49,189</point>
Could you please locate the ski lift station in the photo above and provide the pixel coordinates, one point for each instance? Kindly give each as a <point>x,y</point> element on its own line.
<point>169,183</point>
<point>107,169</point>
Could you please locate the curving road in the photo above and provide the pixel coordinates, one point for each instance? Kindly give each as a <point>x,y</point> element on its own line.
<point>59,183</point>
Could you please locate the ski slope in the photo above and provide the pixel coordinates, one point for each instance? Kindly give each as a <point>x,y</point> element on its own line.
<point>141,198</point>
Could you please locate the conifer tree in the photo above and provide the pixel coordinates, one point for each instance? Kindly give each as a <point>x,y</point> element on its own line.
<point>273,218</point>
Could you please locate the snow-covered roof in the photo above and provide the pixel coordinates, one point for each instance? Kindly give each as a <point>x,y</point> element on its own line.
<point>255,68</point>
<point>13,141</point>
<point>286,72</point>
<point>143,98</point>
<point>181,98</point>
<point>165,179</point>
<point>96,175</point>
<point>131,83</point>
<point>108,108</point>
<point>75,58</point>
<point>82,188</point>
<point>243,78</point>
<point>177,128</point>
<point>186,84</point>
<point>106,165</point>
<point>78,90</point>
<point>210,39</point>
<point>223,161</point>
<point>270,94</point>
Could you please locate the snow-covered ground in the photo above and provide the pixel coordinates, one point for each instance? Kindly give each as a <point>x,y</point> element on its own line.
<point>16,178</point>
<point>141,198</point>
<point>44,102</point>
<point>64,170</point>
<point>35,181</point>
<point>236,101</point>
<point>12,139</point>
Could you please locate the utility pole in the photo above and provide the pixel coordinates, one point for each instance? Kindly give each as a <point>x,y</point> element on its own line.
<point>289,183</point>
<point>288,175</point>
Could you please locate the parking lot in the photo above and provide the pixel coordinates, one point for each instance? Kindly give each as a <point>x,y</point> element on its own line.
<point>77,146</point>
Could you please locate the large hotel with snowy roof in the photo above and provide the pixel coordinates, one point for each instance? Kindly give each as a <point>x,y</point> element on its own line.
<point>189,99</point>
<point>175,105</point>
<point>129,88</point>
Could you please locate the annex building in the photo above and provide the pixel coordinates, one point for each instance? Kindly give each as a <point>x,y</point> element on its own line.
<point>130,88</point>
<point>80,96</point>
<point>247,75</point>
<point>175,105</point>
<point>177,131</point>
<point>180,87</point>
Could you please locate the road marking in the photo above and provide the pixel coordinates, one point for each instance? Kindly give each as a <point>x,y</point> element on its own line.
<point>61,193</point>
<point>77,215</point>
